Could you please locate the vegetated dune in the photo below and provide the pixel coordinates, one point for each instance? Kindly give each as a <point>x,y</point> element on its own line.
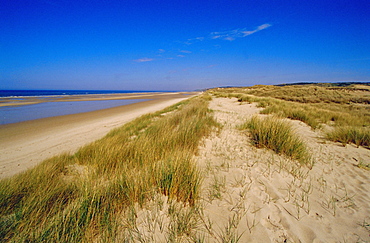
<point>252,194</point>
<point>245,190</point>
<point>255,195</point>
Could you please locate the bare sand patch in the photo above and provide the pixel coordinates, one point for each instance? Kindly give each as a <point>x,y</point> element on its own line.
<point>255,195</point>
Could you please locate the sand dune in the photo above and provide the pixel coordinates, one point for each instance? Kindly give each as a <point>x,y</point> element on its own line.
<point>248,194</point>
<point>255,195</point>
<point>265,198</point>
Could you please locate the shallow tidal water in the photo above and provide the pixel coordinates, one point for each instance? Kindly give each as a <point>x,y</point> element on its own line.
<point>13,114</point>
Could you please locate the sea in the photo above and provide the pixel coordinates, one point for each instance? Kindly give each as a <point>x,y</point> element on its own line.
<point>21,93</point>
<point>14,114</point>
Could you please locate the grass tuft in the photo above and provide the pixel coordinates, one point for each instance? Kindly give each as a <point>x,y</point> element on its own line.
<point>277,135</point>
<point>349,134</point>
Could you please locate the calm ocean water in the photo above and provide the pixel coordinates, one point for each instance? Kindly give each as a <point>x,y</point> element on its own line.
<point>13,114</point>
<point>20,93</point>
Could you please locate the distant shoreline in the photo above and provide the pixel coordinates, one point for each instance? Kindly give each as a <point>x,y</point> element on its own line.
<point>15,114</point>
<point>14,110</point>
<point>25,144</point>
<point>19,93</point>
<point>34,99</point>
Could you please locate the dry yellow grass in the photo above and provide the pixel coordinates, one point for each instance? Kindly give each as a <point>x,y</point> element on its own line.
<point>345,108</point>
<point>82,197</point>
<point>93,195</point>
<point>276,134</point>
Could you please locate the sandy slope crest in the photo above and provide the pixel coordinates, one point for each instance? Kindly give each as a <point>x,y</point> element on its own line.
<point>267,198</point>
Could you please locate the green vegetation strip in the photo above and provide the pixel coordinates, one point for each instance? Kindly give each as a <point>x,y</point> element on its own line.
<point>344,108</point>
<point>357,135</point>
<point>82,197</point>
<point>277,135</point>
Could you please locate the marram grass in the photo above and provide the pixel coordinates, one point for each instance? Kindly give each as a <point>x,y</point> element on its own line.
<point>344,108</point>
<point>277,135</point>
<point>347,134</point>
<point>83,197</point>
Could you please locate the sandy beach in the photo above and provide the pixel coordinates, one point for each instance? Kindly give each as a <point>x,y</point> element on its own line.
<point>25,144</point>
<point>248,194</point>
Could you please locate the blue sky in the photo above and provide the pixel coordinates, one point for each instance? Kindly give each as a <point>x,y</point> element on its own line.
<point>181,45</point>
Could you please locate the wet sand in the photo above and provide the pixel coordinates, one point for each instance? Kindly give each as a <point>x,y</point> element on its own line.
<point>25,144</point>
<point>30,100</point>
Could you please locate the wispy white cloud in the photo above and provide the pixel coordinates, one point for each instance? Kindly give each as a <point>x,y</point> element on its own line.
<point>231,35</point>
<point>259,28</point>
<point>264,26</point>
<point>145,59</point>
<point>193,40</point>
<point>229,38</point>
<point>248,32</point>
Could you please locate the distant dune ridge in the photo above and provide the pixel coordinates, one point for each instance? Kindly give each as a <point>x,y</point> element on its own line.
<point>248,164</point>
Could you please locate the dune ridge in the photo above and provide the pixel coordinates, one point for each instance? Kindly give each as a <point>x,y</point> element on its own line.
<point>267,199</point>
<point>247,193</point>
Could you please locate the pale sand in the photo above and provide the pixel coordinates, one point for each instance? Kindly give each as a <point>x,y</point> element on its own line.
<point>25,144</point>
<point>329,203</point>
<point>249,193</point>
<point>262,197</point>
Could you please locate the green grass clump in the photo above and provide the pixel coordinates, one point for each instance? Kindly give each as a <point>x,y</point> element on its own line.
<point>292,111</point>
<point>349,134</point>
<point>277,135</point>
<point>82,197</point>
